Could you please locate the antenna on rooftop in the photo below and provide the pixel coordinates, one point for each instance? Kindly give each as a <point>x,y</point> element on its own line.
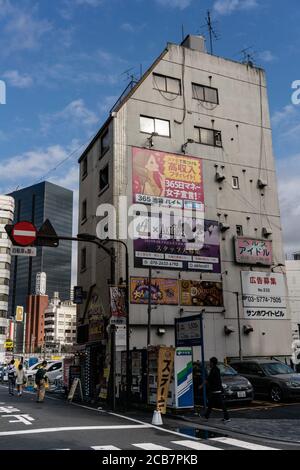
<point>210,26</point>
<point>129,75</point>
<point>248,56</point>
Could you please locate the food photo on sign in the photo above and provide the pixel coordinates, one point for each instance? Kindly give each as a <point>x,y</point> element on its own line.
<point>201,293</point>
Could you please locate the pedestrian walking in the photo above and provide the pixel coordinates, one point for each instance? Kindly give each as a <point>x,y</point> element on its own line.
<point>21,379</point>
<point>41,381</point>
<point>215,392</point>
<point>11,373</point>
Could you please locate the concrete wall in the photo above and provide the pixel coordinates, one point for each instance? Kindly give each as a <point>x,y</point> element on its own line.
<point>293,281</point>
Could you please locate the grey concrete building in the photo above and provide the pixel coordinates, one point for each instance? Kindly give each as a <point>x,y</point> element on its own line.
<point>192,107</point>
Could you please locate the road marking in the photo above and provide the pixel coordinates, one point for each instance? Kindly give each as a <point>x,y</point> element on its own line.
<point>150,446</point>
<point>195,445</point>
<point>72,428</point>
<point>242,444</point>
<point>105,448</point>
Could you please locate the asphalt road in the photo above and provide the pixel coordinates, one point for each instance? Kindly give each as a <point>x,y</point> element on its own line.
<point>57,425</point>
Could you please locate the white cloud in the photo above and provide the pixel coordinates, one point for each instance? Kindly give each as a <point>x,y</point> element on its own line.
<point>74,114</point>
<point>90,3</point>
<point>285,115</point>
<point>181,4</point>
<point>128,27</point>
<point>267,56</point>
<point>226,7</point>
<point>17,80</point>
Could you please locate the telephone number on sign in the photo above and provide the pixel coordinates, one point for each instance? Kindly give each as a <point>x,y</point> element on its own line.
<point>263,299</point>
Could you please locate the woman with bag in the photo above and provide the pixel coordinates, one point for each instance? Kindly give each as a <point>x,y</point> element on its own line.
<point>21,379</point>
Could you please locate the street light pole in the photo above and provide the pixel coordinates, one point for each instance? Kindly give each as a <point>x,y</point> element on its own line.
<point>239,326</point>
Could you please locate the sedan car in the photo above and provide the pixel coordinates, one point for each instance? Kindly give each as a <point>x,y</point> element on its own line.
<point>236,388</point>
<point>54,369</point>
<point>270,378</point>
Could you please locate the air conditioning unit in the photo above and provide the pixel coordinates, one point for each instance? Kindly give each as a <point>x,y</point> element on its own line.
<point>228,330</point>
<point>224,227</point>
<point>266,232</point>
<point>261,184</point>
<point>220,177</point>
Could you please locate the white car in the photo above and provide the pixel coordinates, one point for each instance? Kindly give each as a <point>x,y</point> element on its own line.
<point>54,369</point>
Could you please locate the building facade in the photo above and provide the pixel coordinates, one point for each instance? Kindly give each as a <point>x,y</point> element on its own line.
<point>7,206</point>
<point>36,204</point>
<point>60,324</point>
<point>35,323</point>
<point>194,133</point>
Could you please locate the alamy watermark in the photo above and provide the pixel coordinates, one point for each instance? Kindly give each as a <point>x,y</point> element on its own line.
<point>296,94</point>
<point>2,92</point>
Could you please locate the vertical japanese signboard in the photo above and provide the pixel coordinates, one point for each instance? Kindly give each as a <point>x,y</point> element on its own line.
<point>118,304</point>
<point>165,371</point>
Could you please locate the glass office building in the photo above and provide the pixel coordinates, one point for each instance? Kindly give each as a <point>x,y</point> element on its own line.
<point>36,204</point>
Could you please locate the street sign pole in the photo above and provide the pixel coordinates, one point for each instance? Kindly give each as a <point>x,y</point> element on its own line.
<point>203,363</point>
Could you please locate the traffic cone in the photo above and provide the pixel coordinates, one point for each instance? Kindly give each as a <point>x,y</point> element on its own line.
<point>157,420</point>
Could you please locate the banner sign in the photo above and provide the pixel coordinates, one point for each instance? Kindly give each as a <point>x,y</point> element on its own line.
<point>167,180</point>
<point>164,375</point>
<point>253,251</point>
<point>174,254</point>
<point>188,331</point>
<point>19,314</point>
<point>263,290</point>
<point>23,251</point>
<point>163,291</point>
<point>118,302</point>
<point>95,315</point>
<point>265,313</point>
<point>201,294</point>
<point>183,372</point>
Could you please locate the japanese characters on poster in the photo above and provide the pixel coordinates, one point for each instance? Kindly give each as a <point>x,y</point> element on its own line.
<point>253,251</point>
<point>201,294</point>
<point>95,314</point>
<point>164,376</point>
<point>163,291</point>
<point>117,302</point>
<point>264,295</point>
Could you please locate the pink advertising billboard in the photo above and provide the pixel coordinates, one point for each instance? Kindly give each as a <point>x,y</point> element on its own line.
<point>253,251</point>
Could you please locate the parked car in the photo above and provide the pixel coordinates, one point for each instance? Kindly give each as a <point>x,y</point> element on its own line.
<point>3,374</point>
<point>236,388</point>
<point>270,378</point>
<point>54,369</point>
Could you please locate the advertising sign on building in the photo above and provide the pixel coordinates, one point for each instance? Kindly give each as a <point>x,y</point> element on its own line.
<point>95,315</point>
<point>253,251</point>
<point>183,373</point>
<point>19,314</point>
<point>264,295</point>
<point>167,180</point>
<point>118,302</point>
<point>188,331</point>
<point>164,375</point>
<point>163,291</point>
<point>201,294</point>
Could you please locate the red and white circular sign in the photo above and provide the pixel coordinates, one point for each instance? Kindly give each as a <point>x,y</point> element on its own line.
<point>24,233</point>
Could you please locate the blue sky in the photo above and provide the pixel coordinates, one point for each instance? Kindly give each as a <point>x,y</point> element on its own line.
<point>63,63</point>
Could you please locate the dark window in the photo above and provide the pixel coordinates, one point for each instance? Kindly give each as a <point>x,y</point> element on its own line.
<point>5,266</point>
<point>55,367</point>
<point>83,259</point>
<point>168,84</point>
<point>84,211</point>
<point>208,137</point>
<point>4,221</point>
<point>84,168</point>
<point>4,251</point>
<point>239,230</point>
<point>104,143</point>
<point>235,182</point>
<point>3,298</point>
<point>151,125</point>
<point>104,179</point>
<point>2,330</point>
<point>205,93</point>
<point>3,314</point>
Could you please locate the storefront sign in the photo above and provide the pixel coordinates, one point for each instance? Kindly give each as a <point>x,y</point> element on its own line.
<point>263,290</point>
<point>188,331</point>
<point>167,180</point>
<point>253,251</point>
<point>117,302</point>
<point>163,291</point>
<point>164,375</point>
<point>265,313</point>
<point>183,372</point>
<point>201,294</point>
<point>95,315</point>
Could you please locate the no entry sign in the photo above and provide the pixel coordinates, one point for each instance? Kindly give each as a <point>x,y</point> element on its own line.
<point>24,233</point>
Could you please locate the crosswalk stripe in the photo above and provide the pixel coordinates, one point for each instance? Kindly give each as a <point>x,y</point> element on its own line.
<point>150,446</point>
<point>105,448</point>
<point>195,445</point>
<point>242,444</point>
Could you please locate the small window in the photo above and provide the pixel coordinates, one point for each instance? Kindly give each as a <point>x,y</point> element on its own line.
<point>104,143</point>
<point>239,230</point>
<point>205,93</point>
<point>103,179</point>
<point>151,125</point>
<point>208,137</point>
<point>167,84</point>
<point>83,259</point>
<point>84,211</point>
<point>235,182</point>
<point>84,166</point>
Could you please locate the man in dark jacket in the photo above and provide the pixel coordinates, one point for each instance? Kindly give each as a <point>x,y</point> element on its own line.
<point>215,392</point>
<point>41,379</point>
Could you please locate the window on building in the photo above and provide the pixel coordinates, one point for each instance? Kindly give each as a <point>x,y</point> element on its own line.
<point>4,221</point>
<point>235,182</point>
<point>2,330</point>
<point>3,314</point>
<point>84,168</point>
<point>239,230</point>
<point>104,143</point>
<point>3,298</point>
<point>104,179</point>
<point>83,263</point>
<point>168,84</point>
<point>4,251</point>
<point>4,266</point>
<point>151,125</point>
<point>208,137</point>
<point>205,93</point>
<point>84,211</point>
<point>4,281</point>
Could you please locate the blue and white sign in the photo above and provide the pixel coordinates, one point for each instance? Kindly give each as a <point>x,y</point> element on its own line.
<point>188,331</point>
<point>183,369</point>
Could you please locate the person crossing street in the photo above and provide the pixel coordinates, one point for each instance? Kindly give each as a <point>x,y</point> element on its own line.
<point>41,381</point>
<point>11,377</point>
<point>215,391</point>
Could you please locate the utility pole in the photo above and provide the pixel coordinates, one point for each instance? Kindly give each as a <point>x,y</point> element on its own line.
<point>239,326</point>
<point>149,307</point>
